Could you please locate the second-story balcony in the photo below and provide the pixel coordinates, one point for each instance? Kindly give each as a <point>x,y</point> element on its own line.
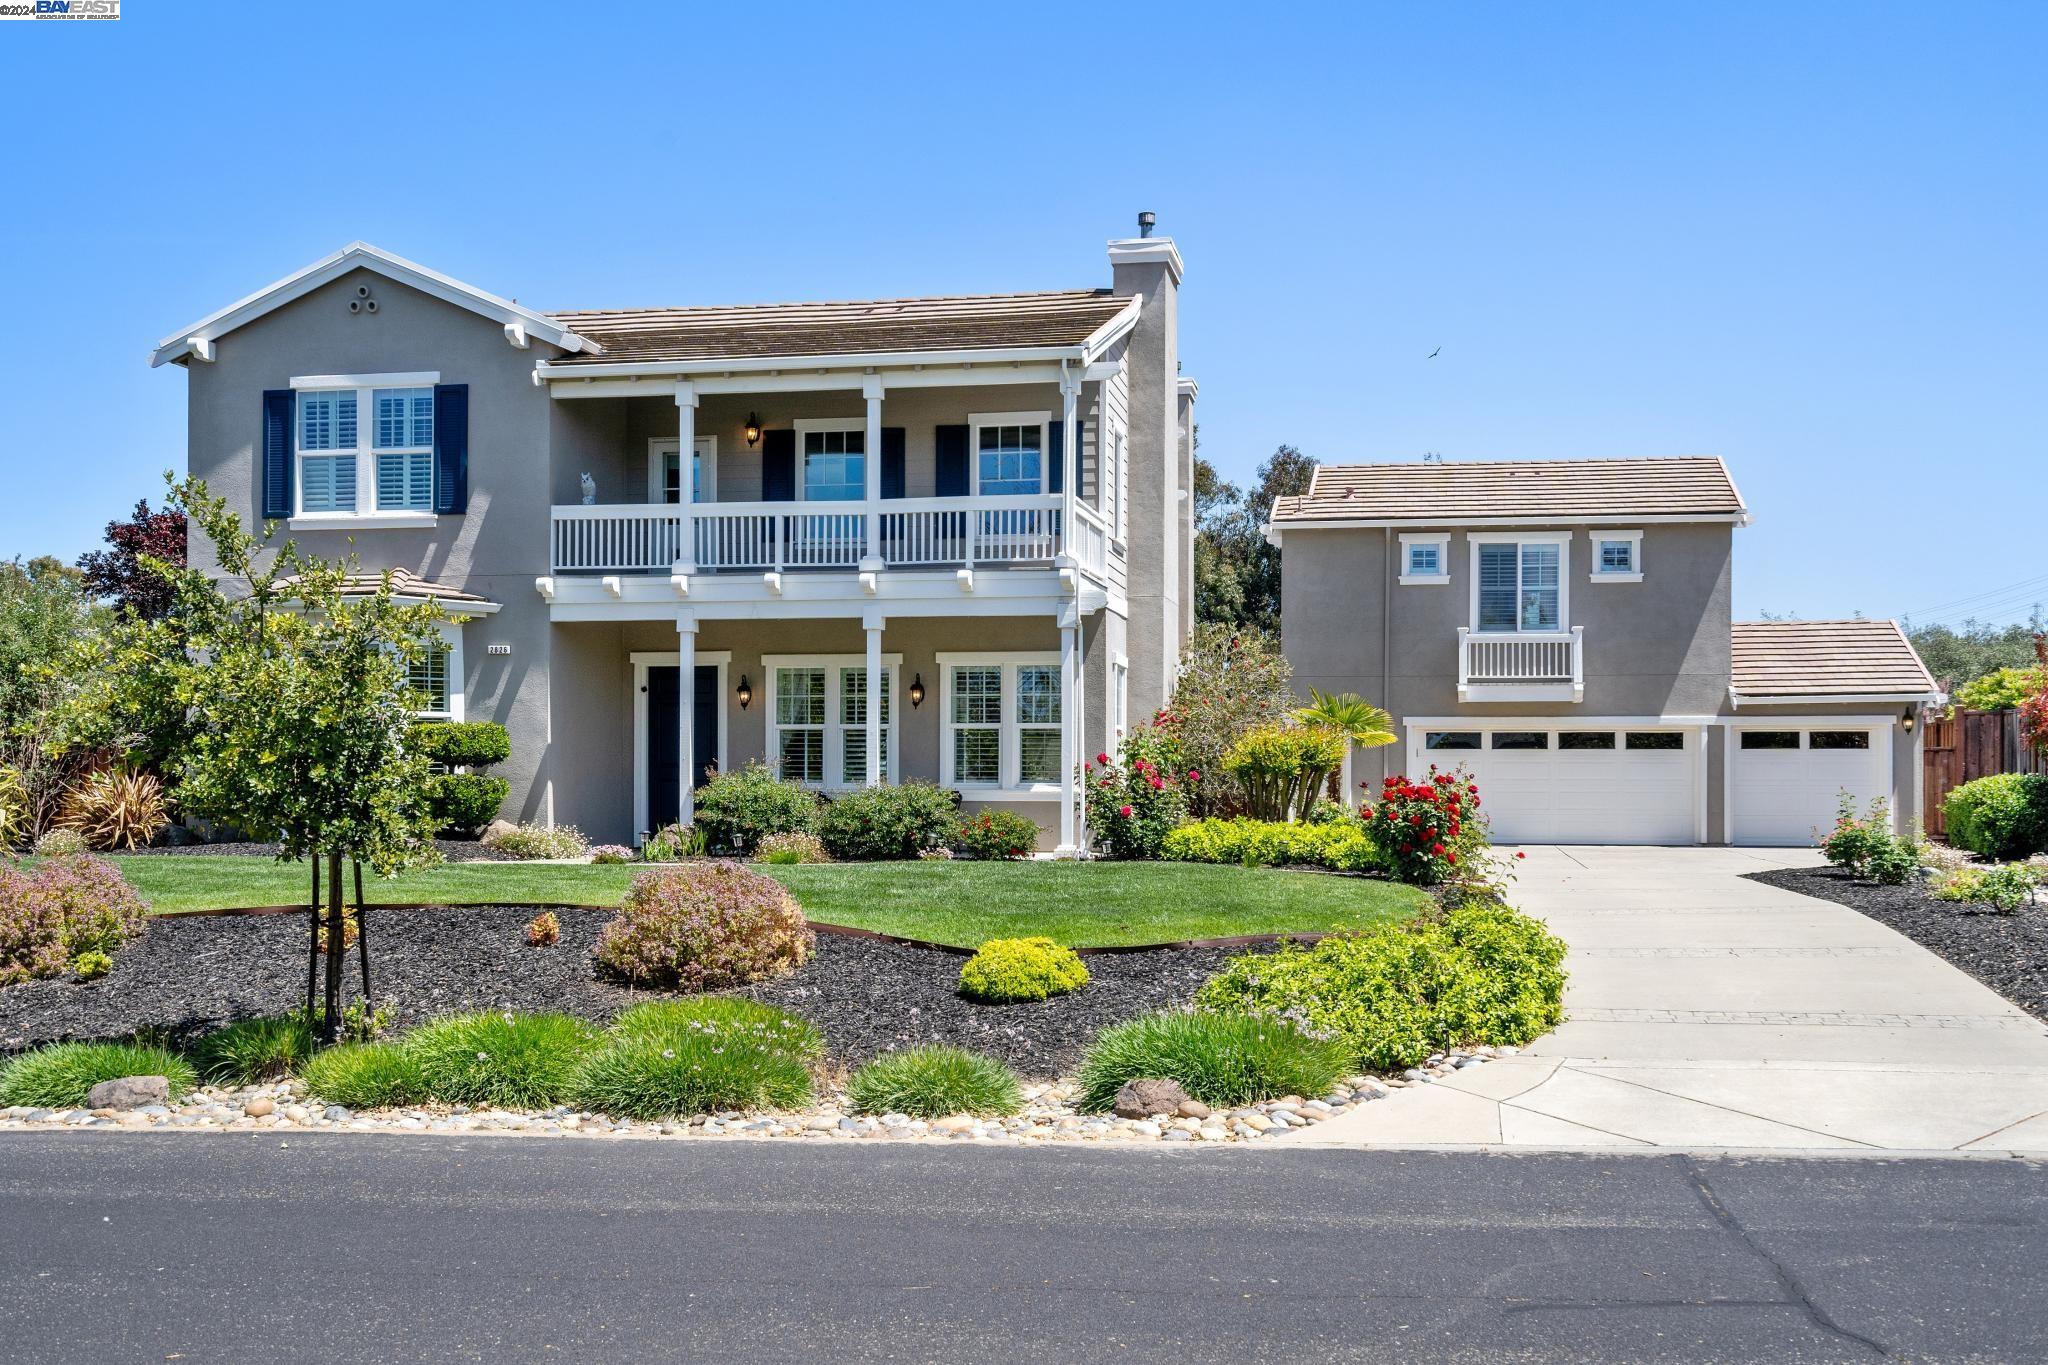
<point>1512,665</point>
<point>1020,531</point>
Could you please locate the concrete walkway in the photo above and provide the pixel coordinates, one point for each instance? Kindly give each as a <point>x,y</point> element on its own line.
<point>1710,1012</point>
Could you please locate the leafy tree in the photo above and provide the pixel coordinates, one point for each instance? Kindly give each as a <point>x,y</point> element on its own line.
<point>289,705</point>
<point>119,573</point>
<point>1237,574</point>
<point>44,610</point>
<point>1999,691</point>
<point>1231,681</point>
<point>1362,724</point>
<point>1956,654</point>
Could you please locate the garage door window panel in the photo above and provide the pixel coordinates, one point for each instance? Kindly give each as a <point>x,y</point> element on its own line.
<point>1452,739</point>
<point>1520,739</point>
<point>1838,739</point>
<point>1770,739</point>
<point>1586,739</point>
<point>1655,739</point>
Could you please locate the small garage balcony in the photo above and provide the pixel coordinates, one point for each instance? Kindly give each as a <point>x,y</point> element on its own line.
<point>1522,665</point>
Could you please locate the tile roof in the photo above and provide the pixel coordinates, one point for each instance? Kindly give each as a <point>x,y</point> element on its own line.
<point>751,331</point>
<point>1819,659</point>
<point>404,583</point>
<point>1522,490</point>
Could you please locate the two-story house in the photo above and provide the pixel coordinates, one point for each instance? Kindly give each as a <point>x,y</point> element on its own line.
<point>1562,630</point>
<point>944,538</point>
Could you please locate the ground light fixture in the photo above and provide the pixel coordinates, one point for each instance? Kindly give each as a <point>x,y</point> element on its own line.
<point>746,692</point>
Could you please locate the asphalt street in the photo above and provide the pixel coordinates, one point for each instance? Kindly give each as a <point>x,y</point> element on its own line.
<point>253,1247</point>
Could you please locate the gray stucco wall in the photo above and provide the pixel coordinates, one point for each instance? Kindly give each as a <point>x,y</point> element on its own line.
<point>1157,507</point>
<point>492,550</point>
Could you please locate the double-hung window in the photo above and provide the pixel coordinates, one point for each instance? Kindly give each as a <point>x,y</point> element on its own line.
<point>365,445</point>
<point>835,463</point>
<point>1009,452</point>
<point>818,715</point>
<point>1518,585</point>
<point>1002,723</point>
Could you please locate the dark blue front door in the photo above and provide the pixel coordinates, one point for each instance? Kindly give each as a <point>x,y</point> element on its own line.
<point>664,717</point>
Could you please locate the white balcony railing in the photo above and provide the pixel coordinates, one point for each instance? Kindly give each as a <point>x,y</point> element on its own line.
<point>1522,659</point>
<point>774,536</point>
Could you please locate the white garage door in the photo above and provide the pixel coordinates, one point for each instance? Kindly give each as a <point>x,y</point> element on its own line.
<point>1574,785</point>
<point>1787,781</point>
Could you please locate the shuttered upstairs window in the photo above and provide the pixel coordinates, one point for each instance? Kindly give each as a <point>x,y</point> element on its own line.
<point>404,443</point>
<point>327,451</point>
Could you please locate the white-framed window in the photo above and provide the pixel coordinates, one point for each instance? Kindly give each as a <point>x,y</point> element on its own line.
<point>436,674</point>
<point>817,718</point>
<point>1425,558</point>
<point>1617,556</point>
<point>364,446</point>
<point>1000,723</point>
<point>1010,452</point>
<point>665,470</point>
<point>1119,695</point>
<point>1518,582</point>
<point>1117,499</point>
<point>832,459</point>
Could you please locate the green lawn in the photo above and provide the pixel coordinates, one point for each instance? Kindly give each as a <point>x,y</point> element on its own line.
<point>1099,904</point>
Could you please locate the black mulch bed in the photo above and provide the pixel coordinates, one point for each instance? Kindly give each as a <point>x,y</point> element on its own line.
<point>2008,953</point>
<point>190,973</point>
<point>454,850</point>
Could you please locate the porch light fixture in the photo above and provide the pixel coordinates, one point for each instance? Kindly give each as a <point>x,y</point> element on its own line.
<point>917,691</point>
<point>753,432</point>
<point>1912,719</point>
<point>746,692</point>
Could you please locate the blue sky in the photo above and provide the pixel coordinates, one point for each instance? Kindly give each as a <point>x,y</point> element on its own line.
<point>1806,238</point>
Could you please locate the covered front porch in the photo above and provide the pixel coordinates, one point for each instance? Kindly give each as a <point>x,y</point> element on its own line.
<point>1002,709</point>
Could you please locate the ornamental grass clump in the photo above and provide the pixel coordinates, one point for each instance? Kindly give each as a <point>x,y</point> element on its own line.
<point>1394,996</point>
<point>699,1056</point>
<point>704,926</point>
<point>1009,970</point>
<point>933,1081</point>
<point>365,1076</point>
<point>62,1076</point>
<point>511,1061</point>
<point>60,910</point>
<point>115,808</point>
<point>1220,1059</point>
<point>253,1050</point>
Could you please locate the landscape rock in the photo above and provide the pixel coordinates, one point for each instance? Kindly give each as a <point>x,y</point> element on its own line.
<point>259,1107</point>
<point>129,1092</point>
<point>1144,1098</point>
<point>1193,1109</point>
<point>497,827</point>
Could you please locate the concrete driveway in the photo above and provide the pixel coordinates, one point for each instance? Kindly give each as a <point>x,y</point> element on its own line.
<point>1706,1011</point>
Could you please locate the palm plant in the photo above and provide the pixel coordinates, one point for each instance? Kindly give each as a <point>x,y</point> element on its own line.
<point>1362,724</point>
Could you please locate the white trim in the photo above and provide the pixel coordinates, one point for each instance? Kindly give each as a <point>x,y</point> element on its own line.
<point>804,426</point>
<point>1272,529</point>
<point>197,340</point>
<point>1147,250</point>
<point>1560,722</point>
<point>1634,574</point>
<point>1883,747</point>
<point>1007,786</point>
<point>1741,699</point>
<point>367,521</point>
<point>658,446</point>
<point>412,379</point>
<point>642,661</point>
<point>1563,541</point>
<point>451,642</point>
<point>977,420</point>
<point>1442,541</point>
<point>834,754</point>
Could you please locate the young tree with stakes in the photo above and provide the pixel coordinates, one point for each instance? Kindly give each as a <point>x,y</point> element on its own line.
<point>291,708</point>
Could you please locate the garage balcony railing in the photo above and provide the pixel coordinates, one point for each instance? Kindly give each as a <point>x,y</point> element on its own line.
<point>1522,665</point>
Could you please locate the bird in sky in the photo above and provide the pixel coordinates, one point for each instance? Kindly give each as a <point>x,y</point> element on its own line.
<point>1434,354</point>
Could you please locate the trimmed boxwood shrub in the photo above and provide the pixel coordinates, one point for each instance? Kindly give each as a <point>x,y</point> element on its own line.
<point>60,910</point>
<point>704,926</point>
<point>463,743</point>
<point>932,1081</point>
<point>464,802</point>
<point>2004,816</point>
<point>738,809</point>
<point>62,1075</point>
<point>513,1061</point>
<point>1480,974</point>
<point>1341,844</point>
<point>1220,1059</point>
<point>1006,970</point>
<point>996,834</point>
<point>873,823</point>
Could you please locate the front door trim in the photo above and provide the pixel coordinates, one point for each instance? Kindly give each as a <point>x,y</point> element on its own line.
<point>722,660</point>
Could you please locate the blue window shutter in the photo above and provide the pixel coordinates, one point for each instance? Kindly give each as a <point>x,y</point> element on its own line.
<point>892,462</point>
<point>949,446</point>
<point>277,454</point>
<point>451,448</point>
<point>778,465</point>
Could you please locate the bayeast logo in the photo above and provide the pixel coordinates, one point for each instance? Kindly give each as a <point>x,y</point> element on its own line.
<point>62,9</point>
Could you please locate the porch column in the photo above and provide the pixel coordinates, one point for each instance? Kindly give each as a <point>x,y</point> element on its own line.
<point>686,705</point>
<point>1070,653</point>
<point>871,561</point>
<point>686,459</point>
<point>873,624</point>
<point>1070,455</point>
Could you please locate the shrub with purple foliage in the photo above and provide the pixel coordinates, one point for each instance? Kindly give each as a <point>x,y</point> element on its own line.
<point>704,926</point>
<point>60,909</point>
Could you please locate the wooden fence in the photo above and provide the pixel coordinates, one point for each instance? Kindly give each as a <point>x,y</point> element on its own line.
<point>1964,746</point>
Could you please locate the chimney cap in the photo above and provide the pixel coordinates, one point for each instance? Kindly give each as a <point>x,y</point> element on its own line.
<point>1147,220</point>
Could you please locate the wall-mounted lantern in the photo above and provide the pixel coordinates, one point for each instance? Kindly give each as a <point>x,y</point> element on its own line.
<point>917,691</point>
<point>753,432</point>
<point>746,692</point>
